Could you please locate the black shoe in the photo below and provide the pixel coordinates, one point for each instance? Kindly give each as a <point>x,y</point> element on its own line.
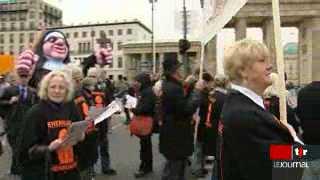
<point>109,172</point>
<point>142,173</point>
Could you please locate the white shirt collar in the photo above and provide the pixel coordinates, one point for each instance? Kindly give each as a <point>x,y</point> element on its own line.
<point>250,94</point>
<point>52,64</point>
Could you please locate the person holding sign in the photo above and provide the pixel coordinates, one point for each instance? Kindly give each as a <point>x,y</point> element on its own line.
<point>47,148</point>
<point>247,127</point>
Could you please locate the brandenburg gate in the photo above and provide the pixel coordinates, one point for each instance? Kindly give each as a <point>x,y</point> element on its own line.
<point>301,14</point>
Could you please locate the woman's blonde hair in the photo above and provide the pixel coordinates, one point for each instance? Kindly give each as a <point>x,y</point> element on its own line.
<point>43,90</point>
<point>241,55</point>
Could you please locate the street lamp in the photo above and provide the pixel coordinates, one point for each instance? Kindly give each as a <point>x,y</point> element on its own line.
<point>152,37</point>
<point>184,44</point>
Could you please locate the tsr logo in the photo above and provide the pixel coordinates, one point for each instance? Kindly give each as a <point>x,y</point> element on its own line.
<point>300,152</point>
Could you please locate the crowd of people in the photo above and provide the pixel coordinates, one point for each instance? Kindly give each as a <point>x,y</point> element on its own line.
<point>233,117</point>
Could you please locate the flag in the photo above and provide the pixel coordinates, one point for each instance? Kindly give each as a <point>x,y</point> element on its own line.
<point>6,64</point>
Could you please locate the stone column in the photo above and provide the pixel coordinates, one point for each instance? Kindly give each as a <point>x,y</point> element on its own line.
<point>241,28</point>
<point>268,38</point>
<point>143,63</point>
<point>180,57</point>
<point>309,51</point>
<point>161,58</point>
<point>210,56</point>
<point>127,65</point>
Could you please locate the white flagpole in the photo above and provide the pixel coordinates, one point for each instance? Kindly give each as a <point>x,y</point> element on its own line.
<point>280,60</point>
<point>220,53</point>
<point>196,115</point>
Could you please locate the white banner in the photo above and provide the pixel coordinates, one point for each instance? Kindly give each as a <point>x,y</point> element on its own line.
<point>216,14</point>
<point>112,108</point>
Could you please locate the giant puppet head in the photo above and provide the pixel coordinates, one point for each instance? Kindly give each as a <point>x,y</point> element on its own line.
<point>53,47</point>
<point>51,52</point>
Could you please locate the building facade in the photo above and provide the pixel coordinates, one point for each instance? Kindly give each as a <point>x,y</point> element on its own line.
<point>83,41</point>
<point>290,52</point>
<point>138,56</point>
<point>19,21</point>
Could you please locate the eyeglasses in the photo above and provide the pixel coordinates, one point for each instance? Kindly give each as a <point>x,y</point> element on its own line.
<point>53,39</point>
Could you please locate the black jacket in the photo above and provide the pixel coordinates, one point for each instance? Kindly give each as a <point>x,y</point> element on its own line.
<point>248,131</point>
<point>14,113</point>
<point>176,132</point>
<point>146,97</point>
<point>272,104</point>
<point>45,122</point>
<point>308,112</point>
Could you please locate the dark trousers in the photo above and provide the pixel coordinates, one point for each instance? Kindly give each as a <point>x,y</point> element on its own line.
<point>15,168</point>
<point>74,175</point>
<point>15,165</point>
<point>174,170</point>
<point>146,153</point>
<point>126,111</point>
<point>104,153</point>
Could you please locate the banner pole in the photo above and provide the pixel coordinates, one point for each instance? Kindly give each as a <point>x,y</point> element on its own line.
<point>279,59</point>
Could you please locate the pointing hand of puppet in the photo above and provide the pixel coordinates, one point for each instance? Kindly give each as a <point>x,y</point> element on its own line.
<point>104,56</point>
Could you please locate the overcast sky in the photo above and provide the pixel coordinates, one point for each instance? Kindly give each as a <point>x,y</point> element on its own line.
<point>75,11</point>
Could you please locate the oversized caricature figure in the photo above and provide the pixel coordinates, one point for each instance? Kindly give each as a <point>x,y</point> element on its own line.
<point>52,53</point>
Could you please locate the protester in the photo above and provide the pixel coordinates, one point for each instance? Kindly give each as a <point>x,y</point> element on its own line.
<point>308,112</point>
<point>121,84</point>
<point>145,107</point>
<point>43,152</point>
<point>88,149</point>
<point>198,165</point>
<point>211,136</point>
<point>176,137</point>
<point>77,76</point>
<point>100,101</point>
<point>3,84</point>
<point>15,102</point>
<point>248,128</point>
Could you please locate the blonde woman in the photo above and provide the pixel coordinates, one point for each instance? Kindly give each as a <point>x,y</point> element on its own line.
<point>43,152</point>
<point>248,128</point>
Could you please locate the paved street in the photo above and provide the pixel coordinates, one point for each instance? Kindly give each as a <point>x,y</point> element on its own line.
<point>124,154</point>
